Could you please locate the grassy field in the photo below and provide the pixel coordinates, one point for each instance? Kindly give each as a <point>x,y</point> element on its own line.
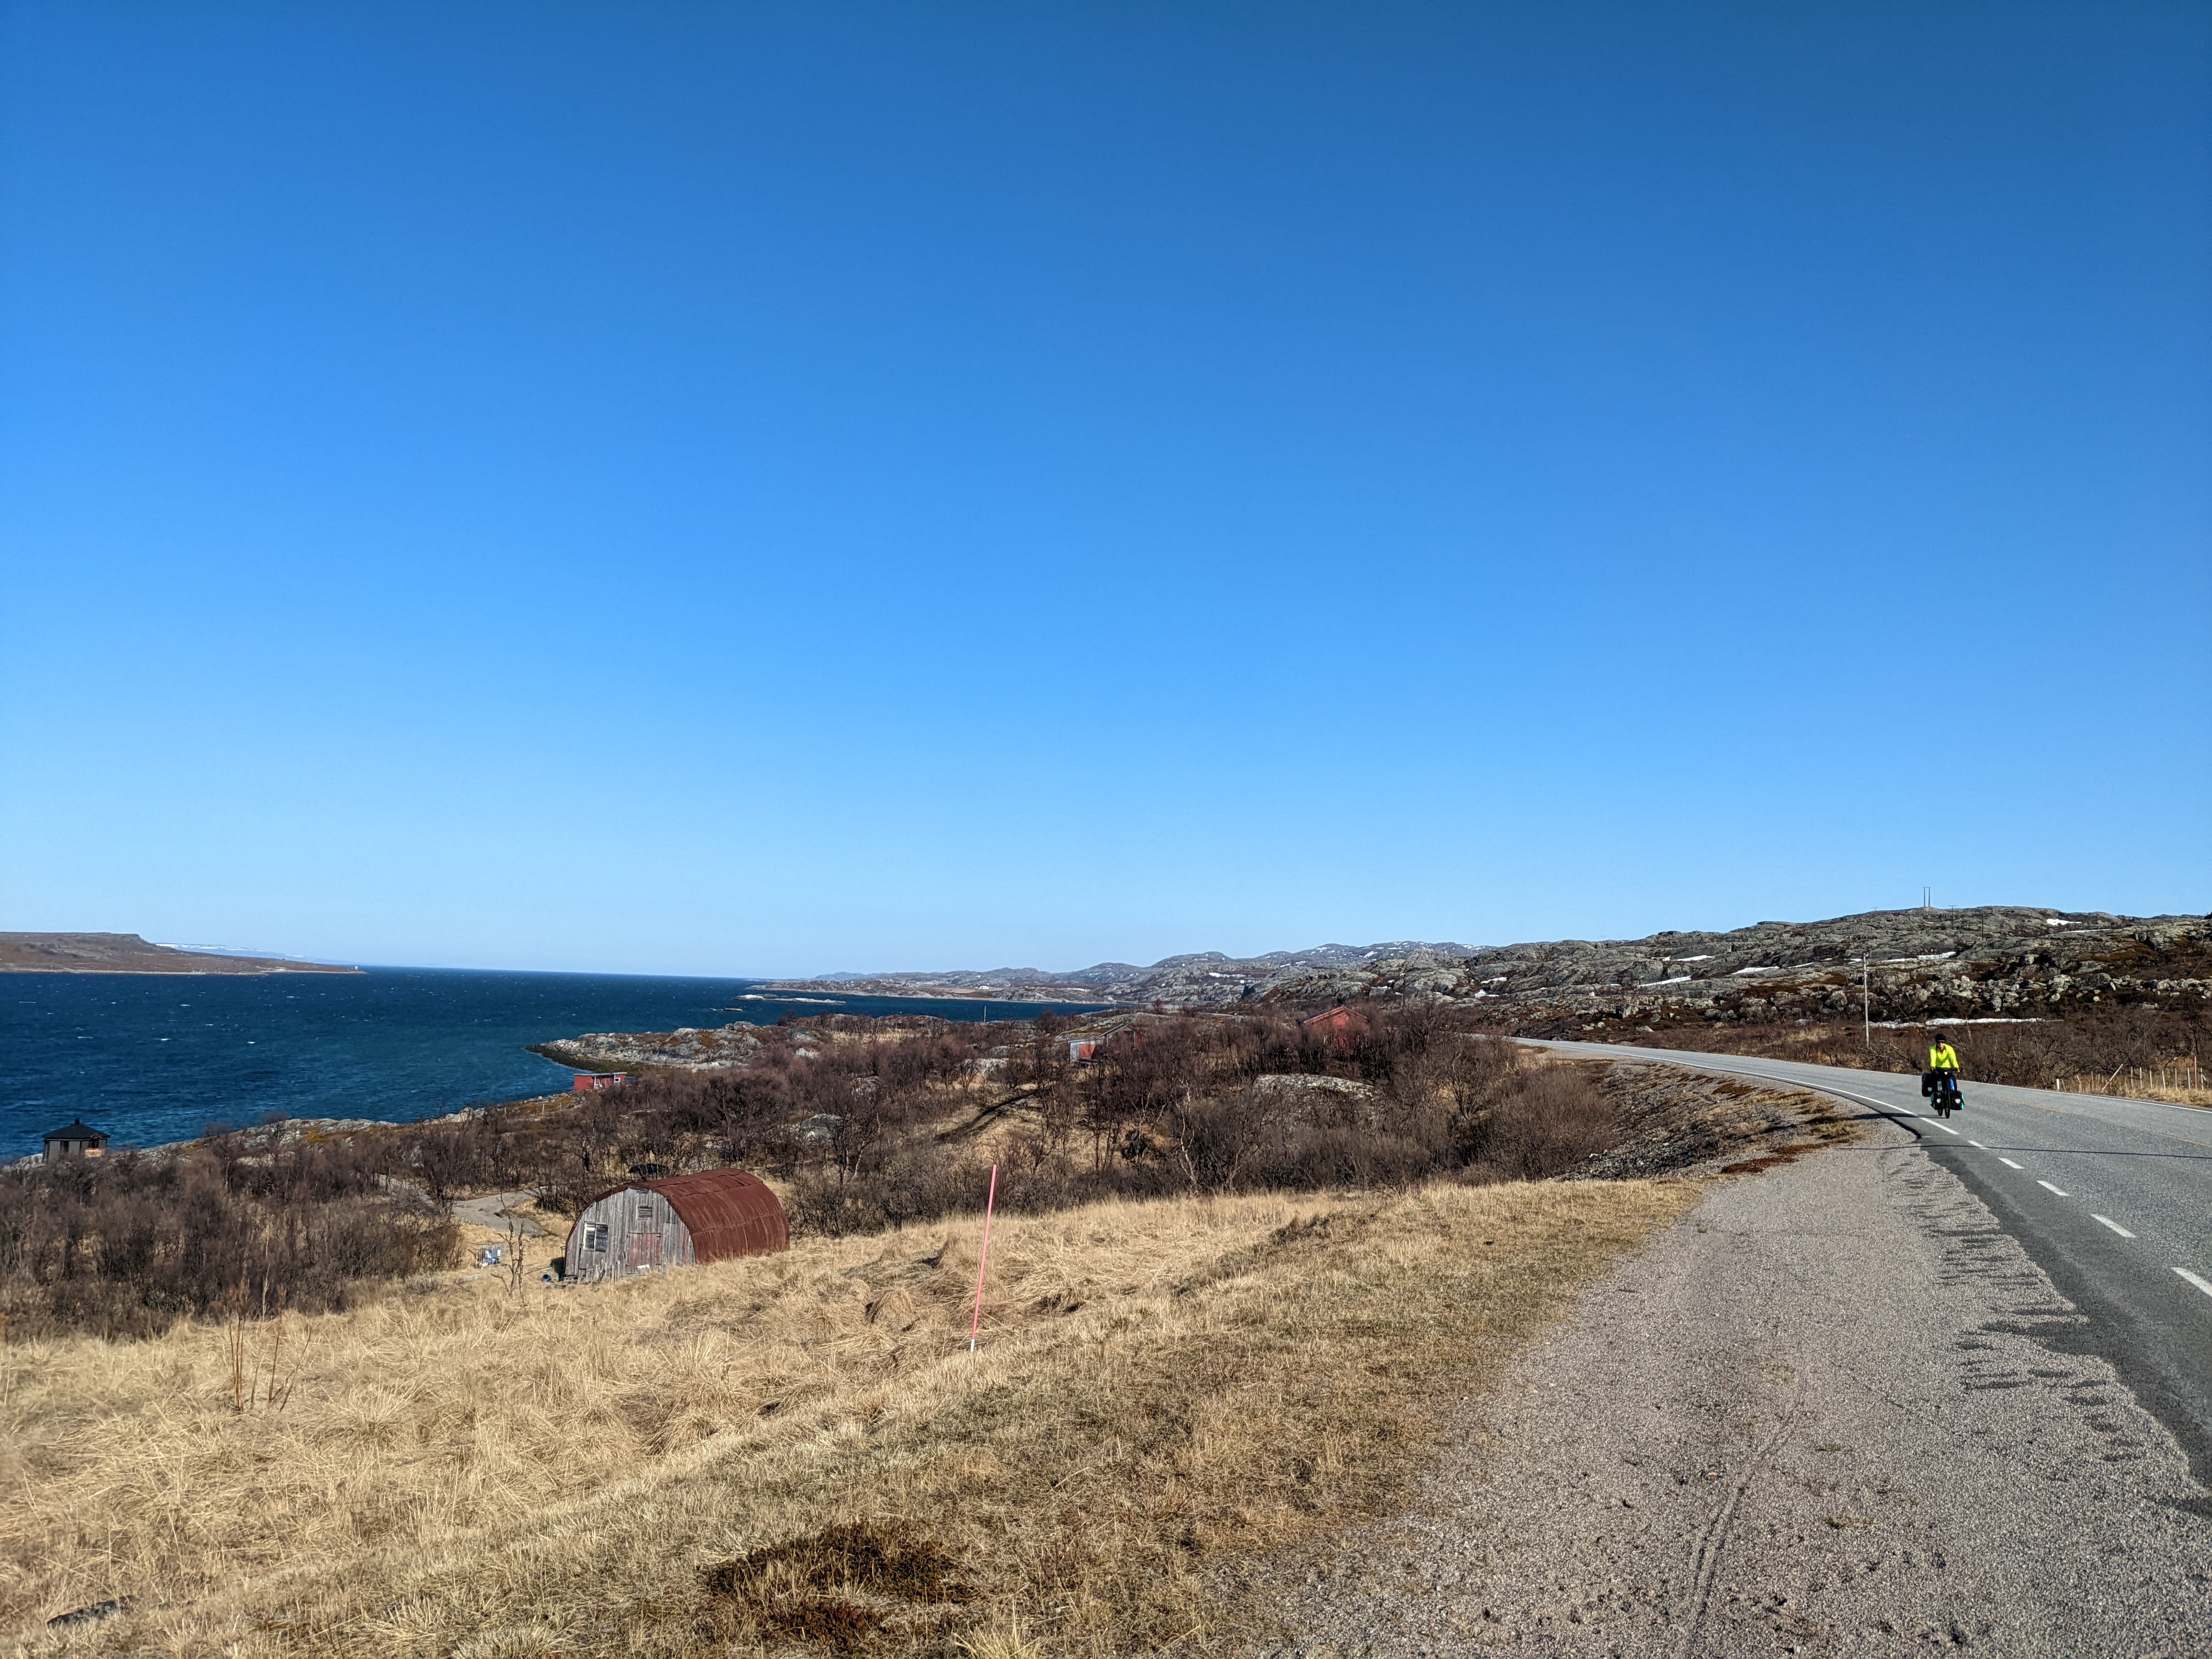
<point>790,1450</point>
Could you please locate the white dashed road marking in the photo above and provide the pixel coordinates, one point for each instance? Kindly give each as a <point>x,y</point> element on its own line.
<point>2048,1188</point>
<point>2113,1224</point>
<point>1976,1143</point>
<point>2203,1285</point>
<point>2007,1161</point>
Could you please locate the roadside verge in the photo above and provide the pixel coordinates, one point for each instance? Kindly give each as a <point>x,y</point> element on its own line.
<point>793,1448</point>
<point>1836,1409</point>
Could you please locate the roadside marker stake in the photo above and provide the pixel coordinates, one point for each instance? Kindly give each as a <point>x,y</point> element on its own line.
<point>2113,1224</point>
<point>2203,1285</point>
<point>2048,1188</point>
<point>983,1260</point>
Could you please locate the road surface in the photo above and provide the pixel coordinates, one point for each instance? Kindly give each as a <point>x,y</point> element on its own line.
<point>1917,1390</point>
<point>2111,1198</point>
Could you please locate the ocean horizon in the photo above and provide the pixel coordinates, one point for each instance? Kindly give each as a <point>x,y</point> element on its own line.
<point>155,1058</point>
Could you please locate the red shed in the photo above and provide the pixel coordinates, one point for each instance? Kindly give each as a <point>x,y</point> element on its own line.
<point>673,1221</point>
<point>587,1081</point>
<point>1341,1025</point>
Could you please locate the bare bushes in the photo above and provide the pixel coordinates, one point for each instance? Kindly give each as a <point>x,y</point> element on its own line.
<point>126,1246</point>
<point>1217,1105</point>
<point>1553,1118</point>
<point>2088,1043</point>
<point>872,1127</point>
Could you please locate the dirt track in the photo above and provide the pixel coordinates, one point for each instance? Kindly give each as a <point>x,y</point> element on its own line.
<point>1831,1413</point>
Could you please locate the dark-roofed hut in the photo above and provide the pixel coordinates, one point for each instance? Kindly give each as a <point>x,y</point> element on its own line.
<point>77,1140</point>
<point>673,1221</point>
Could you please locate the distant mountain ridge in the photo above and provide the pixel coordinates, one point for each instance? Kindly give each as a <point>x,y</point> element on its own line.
<point>1195,977</point>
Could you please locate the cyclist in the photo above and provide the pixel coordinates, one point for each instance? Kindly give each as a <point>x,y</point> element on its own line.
<point>1943,1070</point>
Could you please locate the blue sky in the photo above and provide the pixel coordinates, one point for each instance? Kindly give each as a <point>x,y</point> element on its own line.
<point>762,489</point>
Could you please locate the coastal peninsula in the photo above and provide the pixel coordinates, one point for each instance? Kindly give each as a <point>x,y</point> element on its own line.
<point>127,953</point>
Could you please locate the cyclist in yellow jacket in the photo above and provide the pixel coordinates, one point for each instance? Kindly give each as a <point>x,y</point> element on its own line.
<point>1941,1082</point>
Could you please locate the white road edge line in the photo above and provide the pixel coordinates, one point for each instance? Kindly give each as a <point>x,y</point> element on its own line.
<point>2048,1188</point>
<point>2113,1224</point>
<point>1945,1127</point>
<point>2202,1285</point>
<point>2007,1161</point>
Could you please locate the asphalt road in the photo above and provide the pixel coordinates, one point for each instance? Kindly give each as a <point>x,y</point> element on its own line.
<point>2111,1198</point>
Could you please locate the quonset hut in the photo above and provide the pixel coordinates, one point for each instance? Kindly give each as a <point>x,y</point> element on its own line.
<point>674,1221</point>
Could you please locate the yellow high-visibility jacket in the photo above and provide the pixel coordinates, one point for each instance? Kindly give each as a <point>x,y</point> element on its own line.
<point>1942,1058</point>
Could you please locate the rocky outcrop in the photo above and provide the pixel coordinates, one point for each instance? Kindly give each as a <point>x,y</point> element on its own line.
<point>728,1047</point>
<point>1997,962</point>
<point>1994,961</point>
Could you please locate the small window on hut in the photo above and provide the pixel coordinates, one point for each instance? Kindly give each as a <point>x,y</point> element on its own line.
<point>595,1236</point>
<point>648,1216</point>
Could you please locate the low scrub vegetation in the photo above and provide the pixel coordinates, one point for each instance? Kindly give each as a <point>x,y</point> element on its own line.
<point>126,1246</point>
<point>792,1447</point>
<point>864,1125</point>
<point>2096,1049</point>
<point>872,1132</point>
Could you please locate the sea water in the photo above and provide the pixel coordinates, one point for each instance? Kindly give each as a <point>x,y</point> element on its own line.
<point>151,1057</point>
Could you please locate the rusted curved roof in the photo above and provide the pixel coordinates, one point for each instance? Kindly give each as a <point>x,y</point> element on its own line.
<point>726,1211</point>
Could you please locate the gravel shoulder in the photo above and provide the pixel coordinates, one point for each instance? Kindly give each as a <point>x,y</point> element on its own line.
<point>1835,1410</point>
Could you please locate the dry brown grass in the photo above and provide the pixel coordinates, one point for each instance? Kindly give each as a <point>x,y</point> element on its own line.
<point>794,1449</point>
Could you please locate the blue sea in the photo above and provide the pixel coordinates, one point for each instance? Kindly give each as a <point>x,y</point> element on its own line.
<point>157,1057</point>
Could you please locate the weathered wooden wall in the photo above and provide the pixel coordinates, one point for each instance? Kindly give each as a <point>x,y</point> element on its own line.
<point>643,1232</point>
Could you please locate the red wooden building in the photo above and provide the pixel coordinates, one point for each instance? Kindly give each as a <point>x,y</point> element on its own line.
<point>1341,1025</point>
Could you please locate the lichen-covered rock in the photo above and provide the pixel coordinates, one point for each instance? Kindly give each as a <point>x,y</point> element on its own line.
<point>727,1048</point>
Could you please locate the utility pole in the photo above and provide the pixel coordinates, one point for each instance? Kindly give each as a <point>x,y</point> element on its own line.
<point>1866,997</point>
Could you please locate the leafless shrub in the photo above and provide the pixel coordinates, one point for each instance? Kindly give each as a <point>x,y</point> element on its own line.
<point>1203,1103</point>
<point>127,1246</point>
<point>2086,1043</point>
<point>1553,1118</point>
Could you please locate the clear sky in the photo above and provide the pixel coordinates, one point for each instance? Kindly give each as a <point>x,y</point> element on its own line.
<point>774,488</point>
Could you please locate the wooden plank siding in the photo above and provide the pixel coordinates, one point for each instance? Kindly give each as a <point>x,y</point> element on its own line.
<point>631,1230</point>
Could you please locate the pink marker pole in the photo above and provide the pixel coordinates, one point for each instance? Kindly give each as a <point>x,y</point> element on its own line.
<point>990,1203</point>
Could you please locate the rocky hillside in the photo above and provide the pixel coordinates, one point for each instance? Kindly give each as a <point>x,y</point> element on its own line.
<point>1203,979</point>
<point>1996,962</point>
<point>127,953</point>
